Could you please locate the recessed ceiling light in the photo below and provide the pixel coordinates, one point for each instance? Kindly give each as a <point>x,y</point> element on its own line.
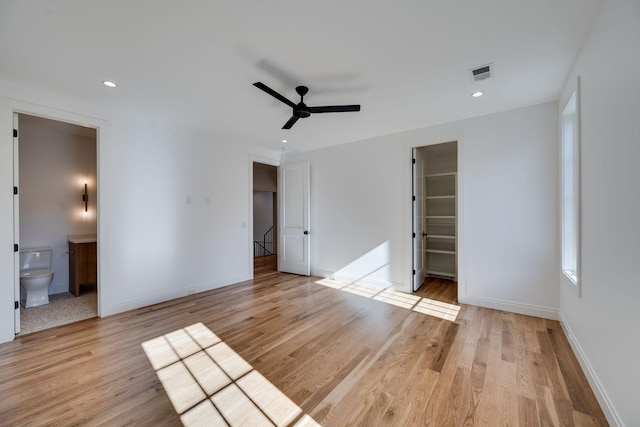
<point>108,83</point>
<point>284,141</point>
<point>477,94</point>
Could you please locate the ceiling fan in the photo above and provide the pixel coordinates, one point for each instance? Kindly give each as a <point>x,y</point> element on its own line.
<point>301,110</point>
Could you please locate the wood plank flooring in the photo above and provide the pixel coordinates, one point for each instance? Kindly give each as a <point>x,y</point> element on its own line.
<point>342,358</point>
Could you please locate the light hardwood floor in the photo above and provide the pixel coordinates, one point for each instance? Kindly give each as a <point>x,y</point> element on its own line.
<point>342,358</point>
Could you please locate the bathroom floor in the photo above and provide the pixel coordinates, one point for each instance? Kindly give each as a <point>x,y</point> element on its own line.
<point>62,309</point>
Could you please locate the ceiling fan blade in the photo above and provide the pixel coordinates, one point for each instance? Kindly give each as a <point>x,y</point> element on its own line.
<point>274,94</point>
<point>290,123</point>
<point>334,108</point>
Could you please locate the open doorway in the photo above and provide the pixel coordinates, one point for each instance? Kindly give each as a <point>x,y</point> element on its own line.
<point>435,214</point>
<point>56,221</point>
<point>265,217</point>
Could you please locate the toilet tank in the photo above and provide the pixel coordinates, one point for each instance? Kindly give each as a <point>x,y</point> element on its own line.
<point>35,259</point>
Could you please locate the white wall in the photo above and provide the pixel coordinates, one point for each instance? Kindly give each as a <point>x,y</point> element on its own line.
<point>173,204</point>
<point>603,321</point>
<point>262,213</point>
<point>509,176</point>
<point>53,166</point>
<point>508,203</point>
<point>356,211</point>
<point>179,217</point>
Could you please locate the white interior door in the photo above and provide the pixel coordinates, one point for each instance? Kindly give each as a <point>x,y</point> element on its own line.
<point>418,219</point>
<point>293,194</point>
<point>16,225</point>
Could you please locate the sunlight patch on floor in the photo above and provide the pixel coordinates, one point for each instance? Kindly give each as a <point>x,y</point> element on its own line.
<point>387,295</point>
<point>209,384</point>
<point>438,309</point>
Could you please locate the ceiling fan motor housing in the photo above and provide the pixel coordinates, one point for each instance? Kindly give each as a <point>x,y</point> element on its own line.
<point>301,111</point>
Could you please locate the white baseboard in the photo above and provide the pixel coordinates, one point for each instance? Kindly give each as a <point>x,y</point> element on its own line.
<point>321,273</point>
<point>120,307</point>
<point>348,278</point>
<point>513,307</point>
<point>601,395</point>
<point>208,286</point>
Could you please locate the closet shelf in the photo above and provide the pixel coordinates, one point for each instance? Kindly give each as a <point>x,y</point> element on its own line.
<point>432,175</point>
<point>439,251</point>
<point>452,196</point>
<point>441,273</point>
<point>440,211</point>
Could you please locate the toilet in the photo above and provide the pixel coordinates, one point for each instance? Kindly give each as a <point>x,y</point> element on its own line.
<point>35,276</point>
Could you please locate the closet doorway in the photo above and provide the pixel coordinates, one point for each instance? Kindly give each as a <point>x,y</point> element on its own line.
<point>435,212</point>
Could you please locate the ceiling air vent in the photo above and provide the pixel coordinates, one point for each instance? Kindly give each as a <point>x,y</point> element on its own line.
<point>481,73</point>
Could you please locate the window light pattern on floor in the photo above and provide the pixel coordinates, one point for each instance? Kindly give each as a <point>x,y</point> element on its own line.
<point>428,306</point>
<point>209,384</point>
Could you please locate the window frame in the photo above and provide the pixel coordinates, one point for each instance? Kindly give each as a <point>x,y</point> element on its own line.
<point>570,189</point>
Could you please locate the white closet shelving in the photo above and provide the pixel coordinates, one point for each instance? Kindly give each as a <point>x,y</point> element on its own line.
<point>440,213</point>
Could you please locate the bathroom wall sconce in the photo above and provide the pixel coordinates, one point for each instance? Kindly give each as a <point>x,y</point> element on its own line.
<point>85,198</point>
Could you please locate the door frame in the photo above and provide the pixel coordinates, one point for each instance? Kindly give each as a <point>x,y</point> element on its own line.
<point>265,161</point>
<point>461,213</point>
<point>417,191</point>
<point>20,107</point>
<point>16,224</point>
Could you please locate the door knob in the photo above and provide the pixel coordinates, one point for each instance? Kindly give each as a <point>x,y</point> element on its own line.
<point>306,232</point>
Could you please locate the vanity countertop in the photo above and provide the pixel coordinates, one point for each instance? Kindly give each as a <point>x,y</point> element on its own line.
<point>82,238</point>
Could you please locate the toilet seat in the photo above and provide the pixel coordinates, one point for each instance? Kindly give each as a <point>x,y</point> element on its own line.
<point>35,273</point>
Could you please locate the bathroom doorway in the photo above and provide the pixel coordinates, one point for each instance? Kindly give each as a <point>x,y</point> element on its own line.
<point>57,190</point>
<point>265,217</point>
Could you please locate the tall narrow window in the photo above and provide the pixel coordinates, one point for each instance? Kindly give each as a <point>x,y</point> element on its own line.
<point>570,190</point>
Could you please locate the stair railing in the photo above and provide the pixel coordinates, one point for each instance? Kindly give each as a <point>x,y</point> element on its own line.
<point>265,246</point>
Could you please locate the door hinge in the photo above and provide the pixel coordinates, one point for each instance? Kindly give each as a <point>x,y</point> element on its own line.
<point>15,190</point>
<point>414,235</point>
<point>413,161</point>
<point>15,247</point>
<point>16,305</point>
<point>414,272</point>
<point>414,198</point>
<point>15,133</point>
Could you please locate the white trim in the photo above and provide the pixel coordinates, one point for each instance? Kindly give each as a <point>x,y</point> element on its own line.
<point>264,160</point>
<point>101,126</point>
<point>324,274</point>
<point>572,278</point>
<point>174,294</point>
<point>601,395</point>
<point>510,306</point>
<point>349,278</point>
<point>16,224</point>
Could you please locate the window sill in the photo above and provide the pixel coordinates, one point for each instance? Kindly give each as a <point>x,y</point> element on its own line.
<point>572,276</point>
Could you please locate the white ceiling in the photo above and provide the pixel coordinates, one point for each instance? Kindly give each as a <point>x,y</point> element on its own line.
<point>192,63</point>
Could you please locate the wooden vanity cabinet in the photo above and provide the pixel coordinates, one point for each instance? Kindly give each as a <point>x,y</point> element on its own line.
<point>83,262</point>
